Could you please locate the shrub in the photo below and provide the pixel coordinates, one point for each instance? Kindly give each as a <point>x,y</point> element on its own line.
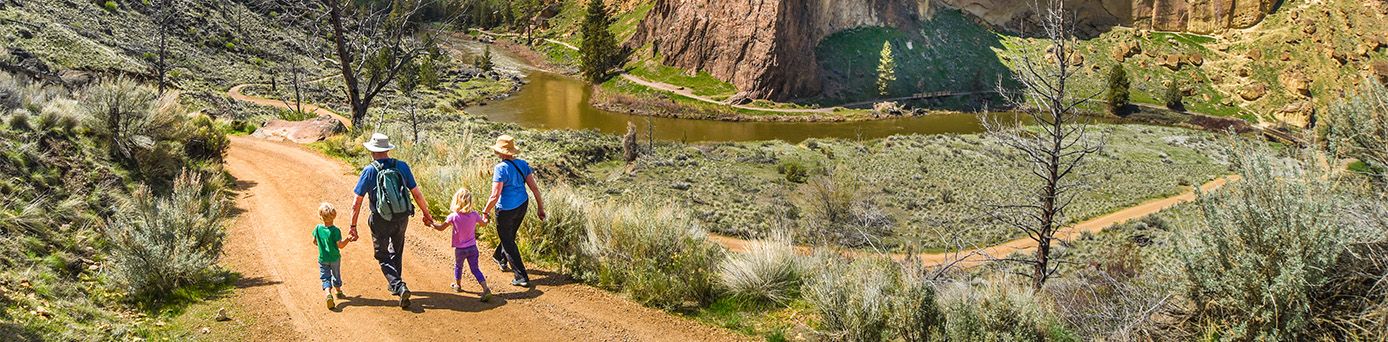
<point>834,208</point>
<point>655,254</point>
<point>294,115</point>
<point>205,141</point>
<point>769,271</point>
<point>19,121</point>
<point>159,244</point>
<point>1173,97</point>
<point>129,116</point>
<point>1267,243</point>
<point>110,5</point>
<point>1358,126</point>
<point>853,298</point>
<point>559,238</point>
<point>917,315</point>
<point>998,311</point>
<point>795,171</point>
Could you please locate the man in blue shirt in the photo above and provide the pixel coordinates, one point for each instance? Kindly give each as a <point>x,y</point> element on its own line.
<point>387,235</point>
<point>510,178</point>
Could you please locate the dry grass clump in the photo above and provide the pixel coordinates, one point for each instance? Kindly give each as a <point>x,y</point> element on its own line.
<point>769,271</point>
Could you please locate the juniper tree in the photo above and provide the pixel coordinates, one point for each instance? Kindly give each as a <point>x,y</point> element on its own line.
<point>598,52</point>
<point>1119,88</point>
<point>1056,148</point>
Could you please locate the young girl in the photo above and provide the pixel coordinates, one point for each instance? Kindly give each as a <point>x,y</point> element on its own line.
<point>465,221</point>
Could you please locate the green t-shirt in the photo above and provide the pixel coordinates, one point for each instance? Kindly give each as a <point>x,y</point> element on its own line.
<point>326,237</point>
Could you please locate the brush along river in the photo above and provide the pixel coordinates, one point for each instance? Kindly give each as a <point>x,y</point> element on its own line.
<point>553,101</point>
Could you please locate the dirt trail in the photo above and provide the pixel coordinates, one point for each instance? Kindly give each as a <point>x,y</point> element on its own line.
<point>236,94</point>
<point>280,187</point>
<point>981,255</point>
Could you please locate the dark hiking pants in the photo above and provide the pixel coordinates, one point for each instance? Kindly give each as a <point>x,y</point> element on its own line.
<point>508,222</point>
<point>388,240</point>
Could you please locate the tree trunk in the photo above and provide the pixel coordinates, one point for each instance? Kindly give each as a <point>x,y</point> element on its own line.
<point>344,57</point>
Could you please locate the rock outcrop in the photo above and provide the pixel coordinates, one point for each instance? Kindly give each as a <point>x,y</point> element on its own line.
<point>302,132</point>
<point>766,48</point>
<point>1196,16</point>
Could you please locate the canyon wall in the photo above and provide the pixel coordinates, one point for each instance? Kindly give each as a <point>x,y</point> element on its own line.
<point>764,47</point>
<point>767,47</point>
<point>1196,16</point>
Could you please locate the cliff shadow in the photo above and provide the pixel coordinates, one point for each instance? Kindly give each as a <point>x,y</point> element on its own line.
<point>950,53</point>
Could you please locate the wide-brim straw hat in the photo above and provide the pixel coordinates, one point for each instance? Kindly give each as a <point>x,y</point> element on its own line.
<point>378,143</point>
<point>506,145</point>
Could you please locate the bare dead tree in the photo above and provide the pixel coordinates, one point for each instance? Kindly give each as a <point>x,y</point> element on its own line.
<point>165,12</point>
<point>1057,147</point>
<point>373,44</point>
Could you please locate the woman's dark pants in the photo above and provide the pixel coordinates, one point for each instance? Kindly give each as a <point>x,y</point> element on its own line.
<point>508,222</point>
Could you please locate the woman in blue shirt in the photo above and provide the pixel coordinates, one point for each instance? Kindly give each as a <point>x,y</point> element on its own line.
<point>510,178</point>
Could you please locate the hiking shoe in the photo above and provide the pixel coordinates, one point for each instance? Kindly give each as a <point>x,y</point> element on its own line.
<point>502,264</point>
<point>404,298</point>
<point>331,304</point>
<point>520,282</point>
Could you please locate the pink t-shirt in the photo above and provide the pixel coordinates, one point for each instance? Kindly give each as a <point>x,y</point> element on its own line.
<point>464,228</point>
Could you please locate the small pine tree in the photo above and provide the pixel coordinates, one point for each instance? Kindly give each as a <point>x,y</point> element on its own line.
<point>484,62</point>
<point>1173,97</point>
<point>1118,90</point>
<point>599,49</point>
<point>886,70</point>
<point>428,73</point>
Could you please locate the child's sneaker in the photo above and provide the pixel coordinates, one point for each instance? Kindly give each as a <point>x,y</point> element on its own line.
<point>341,295</point>
<point>331,304</point>
<point>455,287</point>
<point>486,296</point>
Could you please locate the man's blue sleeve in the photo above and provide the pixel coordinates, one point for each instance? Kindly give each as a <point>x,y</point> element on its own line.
<point>366,182</point>
<point>407,175</point>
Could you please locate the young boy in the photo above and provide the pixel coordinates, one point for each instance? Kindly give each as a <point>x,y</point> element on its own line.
<point>329,240</point>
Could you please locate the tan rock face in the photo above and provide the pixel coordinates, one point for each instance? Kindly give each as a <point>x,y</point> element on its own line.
<point>1198,16</point>
<point>764,47</point>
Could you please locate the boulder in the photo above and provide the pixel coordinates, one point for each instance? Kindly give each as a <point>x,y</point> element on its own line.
<point>1295,83</point>
<point>1253,92</point>
<point>301,132</point>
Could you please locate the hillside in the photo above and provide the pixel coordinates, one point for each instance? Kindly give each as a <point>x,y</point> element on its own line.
<point>1255,60</point>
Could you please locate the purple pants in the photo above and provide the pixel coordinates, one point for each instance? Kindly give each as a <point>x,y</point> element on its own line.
<point>470,255</point>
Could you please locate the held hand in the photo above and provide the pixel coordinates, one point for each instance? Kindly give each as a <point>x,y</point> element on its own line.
<point>352,233</point>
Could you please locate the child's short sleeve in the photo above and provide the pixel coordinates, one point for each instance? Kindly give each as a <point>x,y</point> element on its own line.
<point>336,234</point>
<point>452,218</point>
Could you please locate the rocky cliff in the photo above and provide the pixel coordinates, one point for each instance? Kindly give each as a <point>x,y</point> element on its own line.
<point>766,47</point>
<point>1196,16</point>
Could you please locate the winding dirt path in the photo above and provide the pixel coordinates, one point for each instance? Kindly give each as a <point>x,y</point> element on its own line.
<point>978,256</point>
<point>237,94</point>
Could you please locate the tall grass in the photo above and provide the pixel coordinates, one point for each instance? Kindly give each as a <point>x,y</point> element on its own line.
<point>769,271</point>
<point>656,254</point>
<point>854,299</point>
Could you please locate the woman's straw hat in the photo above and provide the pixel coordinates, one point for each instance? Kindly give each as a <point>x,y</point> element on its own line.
<point>506,145</point>
<point>378,143</point>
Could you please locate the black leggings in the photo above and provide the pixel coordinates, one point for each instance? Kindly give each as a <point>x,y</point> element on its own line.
<point>508,222</point>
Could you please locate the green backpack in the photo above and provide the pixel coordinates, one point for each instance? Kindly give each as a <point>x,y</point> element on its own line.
<point>391,195</point>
